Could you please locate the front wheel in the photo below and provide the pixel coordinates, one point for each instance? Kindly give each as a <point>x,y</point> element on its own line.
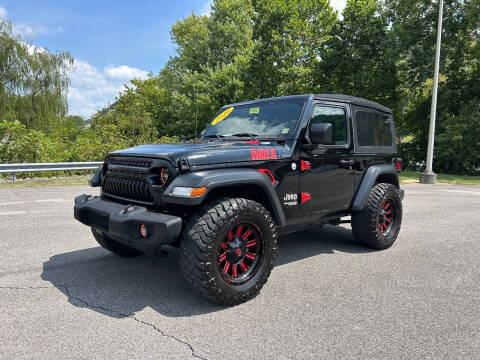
<point>377,225</point>
<point>228,250</point>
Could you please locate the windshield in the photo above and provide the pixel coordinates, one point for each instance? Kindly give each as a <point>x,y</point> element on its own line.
<point>263,119</point>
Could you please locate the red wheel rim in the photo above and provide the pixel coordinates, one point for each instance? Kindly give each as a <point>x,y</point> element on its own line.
<point>239,253</point>
<point>386,217</point>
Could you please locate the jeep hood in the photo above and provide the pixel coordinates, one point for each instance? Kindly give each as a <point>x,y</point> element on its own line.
<point>212,153</point>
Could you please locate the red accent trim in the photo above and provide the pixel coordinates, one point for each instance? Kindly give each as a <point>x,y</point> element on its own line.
<point>305,165</point>
<point>249,256</point>
<point>243,266</point>
<point>304,197</point>
<point>226,267</point>
<point>251,243</point>
<point>161,176</point>
<point>385,223</point>
<point>234,271</point>
<point>247,234</point>
<point>252,142</point>
<point>239,231</point>
<point>143,231</point>
<point>268,173</point>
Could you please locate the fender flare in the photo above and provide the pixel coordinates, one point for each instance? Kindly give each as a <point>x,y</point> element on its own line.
<point>220,178</point>
<point>368,181</point>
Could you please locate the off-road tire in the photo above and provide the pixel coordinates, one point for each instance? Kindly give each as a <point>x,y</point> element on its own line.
<point>366,222</point>
<point>113,246</point>
<point>206,232</point>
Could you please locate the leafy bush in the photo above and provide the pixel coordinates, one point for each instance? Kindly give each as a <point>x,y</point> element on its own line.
<point>457,144</point>
<point>18,144</point>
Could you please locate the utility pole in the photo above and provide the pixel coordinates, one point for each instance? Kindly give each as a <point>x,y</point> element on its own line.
<point>429,177</point>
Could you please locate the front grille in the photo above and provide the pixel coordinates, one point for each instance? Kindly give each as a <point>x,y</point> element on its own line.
<point>126,180</point>
<point>127,188</point>
<point>130,162</point>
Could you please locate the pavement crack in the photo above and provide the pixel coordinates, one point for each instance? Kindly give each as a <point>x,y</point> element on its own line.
<point>119,314</point>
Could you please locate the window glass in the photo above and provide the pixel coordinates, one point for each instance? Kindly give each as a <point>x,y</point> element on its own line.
<point>264,119</point>
<point>373,129</point>
<point>334,116</point>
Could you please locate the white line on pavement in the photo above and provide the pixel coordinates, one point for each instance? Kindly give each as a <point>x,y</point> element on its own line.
<point>12,203</point>
<point>12,213</point>
<point>461,192</point>
<point>37,201</point>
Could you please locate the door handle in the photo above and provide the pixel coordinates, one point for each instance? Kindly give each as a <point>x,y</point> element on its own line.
<point>347,164</point>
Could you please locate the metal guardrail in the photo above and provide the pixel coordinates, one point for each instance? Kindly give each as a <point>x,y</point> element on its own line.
<point>36,167</point>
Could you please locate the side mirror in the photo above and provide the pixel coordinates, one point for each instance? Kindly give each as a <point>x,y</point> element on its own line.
<point>321,134</point>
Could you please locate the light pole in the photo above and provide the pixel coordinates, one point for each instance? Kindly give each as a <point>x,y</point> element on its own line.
<point>429,177</point>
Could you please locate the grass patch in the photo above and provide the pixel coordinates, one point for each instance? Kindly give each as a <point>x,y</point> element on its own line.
<point>406,177</point>
<point>413,176</point>
<point>61,181</point>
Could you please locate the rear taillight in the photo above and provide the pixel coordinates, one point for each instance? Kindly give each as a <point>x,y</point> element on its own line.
<point>398,164</point>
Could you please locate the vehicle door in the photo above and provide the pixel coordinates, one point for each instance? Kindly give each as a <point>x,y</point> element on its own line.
<point>327,178</point>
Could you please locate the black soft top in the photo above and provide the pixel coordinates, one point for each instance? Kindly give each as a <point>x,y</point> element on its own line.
<point>354,101</point>
<point>332,97</point>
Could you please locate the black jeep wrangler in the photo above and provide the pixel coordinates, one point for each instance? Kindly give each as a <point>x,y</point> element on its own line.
<point>263,167</point>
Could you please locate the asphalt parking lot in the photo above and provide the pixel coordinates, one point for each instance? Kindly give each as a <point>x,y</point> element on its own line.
<point>62,296</point>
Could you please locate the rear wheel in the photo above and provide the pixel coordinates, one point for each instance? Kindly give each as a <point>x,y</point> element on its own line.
<point>377,225</point>
<point>228,250</point>
<point>114,246</point>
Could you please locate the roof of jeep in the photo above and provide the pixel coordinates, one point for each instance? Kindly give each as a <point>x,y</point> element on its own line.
<point>332,97</point>
<point>353,100</point>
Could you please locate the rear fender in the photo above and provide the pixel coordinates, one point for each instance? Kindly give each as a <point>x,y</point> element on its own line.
<point>377,173</point>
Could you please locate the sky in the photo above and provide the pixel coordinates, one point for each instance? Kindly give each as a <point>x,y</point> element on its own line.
<point>111,41</point>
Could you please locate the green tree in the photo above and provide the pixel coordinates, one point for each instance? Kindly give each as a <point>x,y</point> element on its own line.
<point>382,50</point>
<point>358,59</point>
<point>33,82</point>
<point>414,26</point>
<point>290,38</point>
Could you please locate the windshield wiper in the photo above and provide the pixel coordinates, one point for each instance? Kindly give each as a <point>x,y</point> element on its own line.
<point>244,135</point>
<point>213,136</point>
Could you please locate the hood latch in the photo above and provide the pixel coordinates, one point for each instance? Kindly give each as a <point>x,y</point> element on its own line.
<point>183,165</point>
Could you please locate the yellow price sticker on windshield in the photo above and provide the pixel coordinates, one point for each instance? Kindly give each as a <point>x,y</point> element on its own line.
<point>222,116</point>
<point>255,110</point>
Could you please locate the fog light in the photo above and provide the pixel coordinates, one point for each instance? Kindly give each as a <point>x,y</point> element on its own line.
<point>143,231</point>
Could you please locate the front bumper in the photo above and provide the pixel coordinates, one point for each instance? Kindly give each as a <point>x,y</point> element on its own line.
<point>123,222</point>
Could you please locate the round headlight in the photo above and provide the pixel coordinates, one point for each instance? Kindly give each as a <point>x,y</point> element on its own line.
<point>164,175</point>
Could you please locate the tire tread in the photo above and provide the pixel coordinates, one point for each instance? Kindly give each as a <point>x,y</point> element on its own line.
<point>364,222</point>
<point>197,247</point>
